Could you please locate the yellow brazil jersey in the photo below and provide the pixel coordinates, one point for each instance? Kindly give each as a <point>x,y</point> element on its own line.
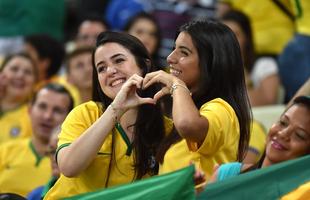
<point>21,167</point>
<point>15,124</point>
<point>97,175</point>
<point>272,28</point>
<point>302,13</point>
<point>220,145</point>
<point>301,193</point>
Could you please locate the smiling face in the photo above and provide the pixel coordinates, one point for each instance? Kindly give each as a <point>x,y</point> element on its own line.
<point>20,73</point>
<point>289,138</point>
<point>114,65</point>
<point>184,61</point>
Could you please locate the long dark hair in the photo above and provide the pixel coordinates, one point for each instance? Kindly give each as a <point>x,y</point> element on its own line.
<point>221,75</point>
<point>149,125</point>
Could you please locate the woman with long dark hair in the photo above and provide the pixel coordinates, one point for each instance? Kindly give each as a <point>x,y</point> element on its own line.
<point>114,138</point>
<point>210,110</point>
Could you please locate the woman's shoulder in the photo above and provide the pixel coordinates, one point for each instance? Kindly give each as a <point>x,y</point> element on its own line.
<point>88,108</point>
<point>229,170</point>
<point>218,105</point>
<point>90,105</point>
<point>216,101</point>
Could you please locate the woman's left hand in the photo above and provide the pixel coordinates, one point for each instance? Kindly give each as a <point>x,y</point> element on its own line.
<point>128,98</point>
<point>167,80</point>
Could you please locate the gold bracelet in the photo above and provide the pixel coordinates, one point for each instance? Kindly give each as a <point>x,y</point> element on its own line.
<point>175,86</point>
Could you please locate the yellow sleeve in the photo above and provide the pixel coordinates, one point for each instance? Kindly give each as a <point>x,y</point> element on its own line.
<point>77,121</point>
<point>223,127</point>
<point>168,125</point>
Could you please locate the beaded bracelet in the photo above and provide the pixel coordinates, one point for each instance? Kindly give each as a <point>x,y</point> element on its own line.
<point>175,86</point>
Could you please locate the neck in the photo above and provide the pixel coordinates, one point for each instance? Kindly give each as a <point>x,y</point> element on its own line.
<point>128,120</point>
<point>9,103</point>
<point>266,162</point>
<point>39,146</point>
<point>85,94</point>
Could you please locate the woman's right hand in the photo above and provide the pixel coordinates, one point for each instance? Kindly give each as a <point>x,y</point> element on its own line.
<point>128,98</point>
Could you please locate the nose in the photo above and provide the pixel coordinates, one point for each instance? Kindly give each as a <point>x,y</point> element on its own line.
<point>171,58</point>
<point>20,73</point>
<point>48,114</point>
<point>111,70</point>
<point>284,133</point>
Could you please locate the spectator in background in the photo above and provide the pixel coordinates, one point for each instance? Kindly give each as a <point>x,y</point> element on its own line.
<point>48,55</point>
<point>271,22</point>
<point>89,29</point>
<point>289,138</point>
<point>18,76</point>
<point>23,164</point>
<point>261,73</point>
<point>145,27</point>
<point>39,193</point>
<point>304,90</point>
<point>294,61</point>
<point>79,71</point>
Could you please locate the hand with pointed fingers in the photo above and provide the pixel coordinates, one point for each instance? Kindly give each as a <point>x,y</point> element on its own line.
<point>128,98</point>
<point>167,80</point>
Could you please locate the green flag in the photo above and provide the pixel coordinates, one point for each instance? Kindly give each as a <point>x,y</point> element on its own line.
<point>268,183</point>
<point>172,186</point>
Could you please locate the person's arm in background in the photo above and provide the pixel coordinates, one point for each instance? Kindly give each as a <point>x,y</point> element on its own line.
<point>266,93</point>
<point>304,90</point>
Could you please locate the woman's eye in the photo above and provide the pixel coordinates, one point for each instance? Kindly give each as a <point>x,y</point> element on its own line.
<point>102,69</point>
<point>300,136</point>
<point>119,60</point>
<point>184,53</point>
<point>14,68</point>
<point>282,123</point>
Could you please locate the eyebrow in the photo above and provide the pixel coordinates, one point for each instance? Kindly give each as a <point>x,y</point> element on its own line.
<point>186,48</point>
<point>301,128</point>
<point>114,56</point>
